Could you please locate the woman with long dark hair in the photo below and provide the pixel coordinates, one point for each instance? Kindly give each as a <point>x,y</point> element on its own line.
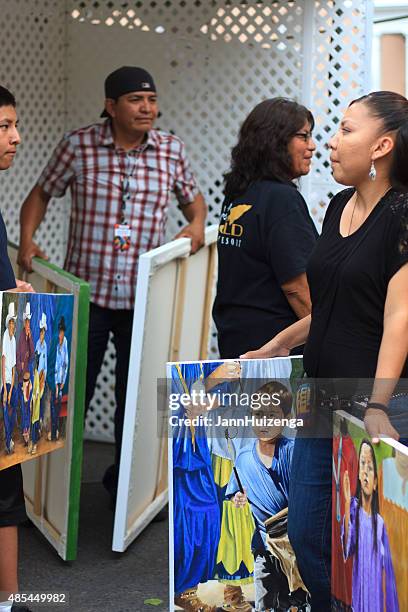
<point>358,328</point>
<point>265,238</point>
<point>266,233</point>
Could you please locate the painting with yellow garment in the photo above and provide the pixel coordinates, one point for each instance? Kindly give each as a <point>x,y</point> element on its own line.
<point>232,427</point>
<point>36,332</point>
<point>369,520</point>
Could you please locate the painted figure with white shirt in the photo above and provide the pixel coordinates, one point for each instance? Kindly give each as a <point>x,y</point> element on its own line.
<point>8,367</point>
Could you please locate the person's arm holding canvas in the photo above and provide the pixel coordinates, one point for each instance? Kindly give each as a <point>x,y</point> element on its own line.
<point>191,202</point>
<point>281,345</point>
<point>391,358</point>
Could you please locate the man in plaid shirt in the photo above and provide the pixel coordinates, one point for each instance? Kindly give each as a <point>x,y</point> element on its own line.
<point>121,174</point>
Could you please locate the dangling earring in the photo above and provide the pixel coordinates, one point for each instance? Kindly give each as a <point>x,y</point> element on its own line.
<point>373,172</point>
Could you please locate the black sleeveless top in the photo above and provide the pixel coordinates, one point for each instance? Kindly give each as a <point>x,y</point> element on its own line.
<point>348,279</point>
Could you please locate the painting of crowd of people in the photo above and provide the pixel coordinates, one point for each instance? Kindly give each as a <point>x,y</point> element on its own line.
<point>36,332</point>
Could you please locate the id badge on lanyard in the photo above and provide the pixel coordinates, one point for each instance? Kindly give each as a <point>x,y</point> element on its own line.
<point>122,236</point>
<point>122,232</point>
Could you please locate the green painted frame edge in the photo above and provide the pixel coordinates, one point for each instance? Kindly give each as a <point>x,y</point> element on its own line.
<point>80,384</point>
<point>78,424</point>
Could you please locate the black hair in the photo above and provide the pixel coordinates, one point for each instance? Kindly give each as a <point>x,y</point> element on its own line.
<point>61,324</point>
<point>274,387</point>
<point>6,97</point>
<point>375,504</point>
<point>392,109</point>
<point>262,149</point>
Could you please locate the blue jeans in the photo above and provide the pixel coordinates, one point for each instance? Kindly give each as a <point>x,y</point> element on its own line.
<point>309,519</point>
<point>398,412</point>
<point>310,496</point>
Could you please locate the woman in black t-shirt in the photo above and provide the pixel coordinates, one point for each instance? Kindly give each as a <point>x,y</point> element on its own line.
<point>358,328</point>
<point>265,238</point>
<point>266,234</point>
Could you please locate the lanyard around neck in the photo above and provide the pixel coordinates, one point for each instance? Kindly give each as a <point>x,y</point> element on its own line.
<point>125,182</point>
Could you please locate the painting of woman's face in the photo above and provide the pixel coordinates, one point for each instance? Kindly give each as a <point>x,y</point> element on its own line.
<point>366,471</point>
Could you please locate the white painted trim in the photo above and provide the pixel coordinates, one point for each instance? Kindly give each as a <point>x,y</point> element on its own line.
<point>307,77</point>
<point>145,271</point>
<point>369,32</point>
<point>149,264</point>
<point>376,62</point>
<point>170,363</point>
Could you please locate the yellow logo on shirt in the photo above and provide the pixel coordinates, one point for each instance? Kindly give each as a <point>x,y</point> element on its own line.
<point>237,212</point>
<point>230,228</point>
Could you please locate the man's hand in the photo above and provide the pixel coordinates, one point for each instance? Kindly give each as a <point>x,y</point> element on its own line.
<point>378,425</point>
<point>26,253</point>
<point>194,231</point>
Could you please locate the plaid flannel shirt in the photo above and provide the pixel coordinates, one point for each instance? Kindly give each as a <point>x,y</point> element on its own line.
<point>87,162</point>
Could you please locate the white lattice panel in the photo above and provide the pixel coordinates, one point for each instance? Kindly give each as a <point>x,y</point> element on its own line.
<point>340,73</point>
<point>33,67</point>
<point>212,62</point>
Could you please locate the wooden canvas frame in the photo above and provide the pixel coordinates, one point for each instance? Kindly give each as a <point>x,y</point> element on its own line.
<point>172,318</point>
<point>52,483</point>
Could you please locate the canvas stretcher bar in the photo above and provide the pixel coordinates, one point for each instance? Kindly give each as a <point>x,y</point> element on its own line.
<point>52,482</point>
<point>173,303</point>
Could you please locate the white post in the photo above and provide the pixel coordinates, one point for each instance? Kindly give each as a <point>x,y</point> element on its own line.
<point>369,24</point>
<point>308,60</point>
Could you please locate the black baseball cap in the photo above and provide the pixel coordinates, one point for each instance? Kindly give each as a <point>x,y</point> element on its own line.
<point>127,79</point>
